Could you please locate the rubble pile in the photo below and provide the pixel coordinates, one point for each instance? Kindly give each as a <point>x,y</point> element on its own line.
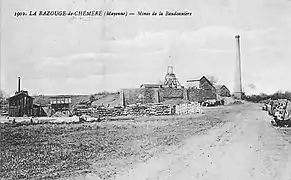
<point>79,110</point>
<point>191,108</point>
<point>138,109</point>
<point>103,111</point>
<point>154,109</point>
<point>60,114</point>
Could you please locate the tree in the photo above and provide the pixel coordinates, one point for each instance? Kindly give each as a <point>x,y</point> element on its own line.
<point>212,79</point>
<point>3,95</point>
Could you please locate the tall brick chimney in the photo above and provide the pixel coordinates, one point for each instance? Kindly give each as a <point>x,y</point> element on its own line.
<point>238,79</point>
<point>18,84</point>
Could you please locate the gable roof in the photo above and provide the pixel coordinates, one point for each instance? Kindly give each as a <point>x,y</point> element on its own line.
<point>203,77</point>
<point>193,80</point>
<point>218,86</point>
<point>19,95</point>
<point>221,86</point>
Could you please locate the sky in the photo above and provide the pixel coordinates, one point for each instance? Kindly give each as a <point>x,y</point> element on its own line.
<point>66,55</point>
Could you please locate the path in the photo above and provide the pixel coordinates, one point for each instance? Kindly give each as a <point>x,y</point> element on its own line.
<point>247,147</point>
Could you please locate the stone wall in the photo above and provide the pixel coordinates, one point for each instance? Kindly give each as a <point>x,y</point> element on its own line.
<point>148,95</point>
<point>140,95</point>
<point>198,95</point>
<point>170,93</point>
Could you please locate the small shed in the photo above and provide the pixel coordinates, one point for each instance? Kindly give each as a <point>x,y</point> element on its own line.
<point>222,90</point>
<point>38,110</point>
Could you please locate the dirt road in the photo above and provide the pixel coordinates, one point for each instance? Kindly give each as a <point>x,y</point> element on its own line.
<point>234,142</point>
<point>247,147</point>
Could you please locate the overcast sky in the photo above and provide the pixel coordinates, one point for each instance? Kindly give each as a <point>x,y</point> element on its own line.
<point>65,55</point>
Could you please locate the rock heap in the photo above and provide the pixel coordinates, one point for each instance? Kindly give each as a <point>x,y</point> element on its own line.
<point>191,108</point>
<point>155,109</point>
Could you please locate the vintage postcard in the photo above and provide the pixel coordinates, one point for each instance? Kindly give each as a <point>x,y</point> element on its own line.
<point>144,89</point>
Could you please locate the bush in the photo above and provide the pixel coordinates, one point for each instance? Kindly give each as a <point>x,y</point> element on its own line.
<point>263,97</point>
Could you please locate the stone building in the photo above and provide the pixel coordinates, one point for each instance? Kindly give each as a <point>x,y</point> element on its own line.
<point>222,90</point>
<point>202,83</point>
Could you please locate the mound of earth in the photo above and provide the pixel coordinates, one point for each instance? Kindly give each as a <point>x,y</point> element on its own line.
<point>107,100</point>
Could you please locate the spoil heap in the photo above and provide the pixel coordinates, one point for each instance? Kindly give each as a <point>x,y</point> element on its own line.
<point>103,111</point>
<point>191,108</point>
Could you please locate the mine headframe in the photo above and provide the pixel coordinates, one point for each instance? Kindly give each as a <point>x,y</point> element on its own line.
<point>171,80</point>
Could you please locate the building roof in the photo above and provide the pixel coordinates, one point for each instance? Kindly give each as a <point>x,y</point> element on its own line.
<point>196,79</point>
<point>151,85</point>
<point>193,80</point>
<point>203,77</point>
<point>36,104</point>
<point>60,96</point>
<point>220,86</point>
<point>20,94</point>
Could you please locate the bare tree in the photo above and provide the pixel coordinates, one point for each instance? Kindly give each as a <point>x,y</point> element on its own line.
<point>3,95</point>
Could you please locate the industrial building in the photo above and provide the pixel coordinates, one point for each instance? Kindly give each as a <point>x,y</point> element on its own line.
<point>202,83</point>
<point>171,81</point>
<point>21,104</point>
<point>60,104</point>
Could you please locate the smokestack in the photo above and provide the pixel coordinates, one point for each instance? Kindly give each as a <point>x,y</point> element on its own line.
<point>18,84</point>
<point>238,79</point>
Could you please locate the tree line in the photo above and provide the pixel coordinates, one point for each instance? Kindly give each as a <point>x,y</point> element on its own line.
<point>261,97</point>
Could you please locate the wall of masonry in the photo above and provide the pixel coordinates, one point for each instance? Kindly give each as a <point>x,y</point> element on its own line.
<point>198,95</point>
<point>147,95</point>
<point>139,95</point>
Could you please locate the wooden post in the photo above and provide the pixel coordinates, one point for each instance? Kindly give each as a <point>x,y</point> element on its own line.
<point>122,98</point>
<point>185,96</point>
<point>157,96</point>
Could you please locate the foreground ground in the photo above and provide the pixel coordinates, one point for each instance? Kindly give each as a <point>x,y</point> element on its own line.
<point>231,142</point>
<point>104,148</point>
